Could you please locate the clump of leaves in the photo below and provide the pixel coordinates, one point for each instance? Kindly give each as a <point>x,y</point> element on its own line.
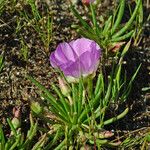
<point>78,117</point>
<point>113,32</point>
<point>17,139</point>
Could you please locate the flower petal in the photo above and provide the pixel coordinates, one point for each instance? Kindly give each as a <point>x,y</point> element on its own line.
<point>78,58</point>
<point>81,45</point>
<point>83,66</point>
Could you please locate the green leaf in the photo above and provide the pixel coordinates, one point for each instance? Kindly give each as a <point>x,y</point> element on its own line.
<point>12,127</point>
<point>128,89</point>
<point>85,25</point>
<point>125,36</point>
<point>18,137</point>
<point>48,96</point>
<point>107,26</point>
<point>40,143</point>
<point>81,96</point>
<point>129,23</point>
<point>1,62</point>
<point>2,139</point>
<point>119,16</point>
<point>111,120</point>
<point>62,100</point>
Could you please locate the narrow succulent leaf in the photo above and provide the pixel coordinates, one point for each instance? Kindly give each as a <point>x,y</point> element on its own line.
<point>81,97</point>
<point>55,139</point>
<point>21,142</point>
<point>50,98</point>
<point>129,23</point>
<point>56,110</point>
<point>55,104</point>
<point>76,102</point>
<point>61,145</point>
<point>96,29</point>
<point>93,16</point>
<point>88,34</point>
<point>90,88</point>
<point>34,9</point>
<point>40,143</point>
<point>95,103</point>
<point>117,79</point>
<point>83,115</point>
<point>119,16</point>
<point>108,93</point>
<point>121,38</point>
<point>85,25</point>
<point>12,127</point>
<point>99,142</point>
<point>33,131</point>
<point>145,89</point>
<point>134,75</point>
<point>39,85</point>
<point>31,121</point>
<point>116,144</point>
<point>30,135</point>
<point>75,98</point>
<point>1,62</point>
<point>140,12</point>
<point>128,89</point>
<point>62,99</point>
<point>9,143</point>
<point>98,83</point>
<point>107,26</point>
<point>16,142</point>
<point>109,121</point>
<point>2,139</point>
<point>126,48</point>
<point>60,117</point>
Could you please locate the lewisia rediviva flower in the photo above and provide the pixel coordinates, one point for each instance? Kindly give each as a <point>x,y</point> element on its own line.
<point>77,58</point>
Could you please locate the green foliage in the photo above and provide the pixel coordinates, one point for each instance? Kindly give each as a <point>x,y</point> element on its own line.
<point>1,62</point>
<point>2,4</point>
<point>141,141</point>
<point>82,112</point>
<point>41,24</point>
<point>17,140</point>
<point>113,30</point>
<point>24,51</point>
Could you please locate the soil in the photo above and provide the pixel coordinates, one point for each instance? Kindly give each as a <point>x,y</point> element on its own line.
<point>17,91</point>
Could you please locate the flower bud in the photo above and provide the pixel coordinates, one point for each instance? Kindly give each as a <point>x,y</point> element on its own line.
<point>63,87</point>
<point>115,47</point>
<point>16,122</point>
<point>35,107</point>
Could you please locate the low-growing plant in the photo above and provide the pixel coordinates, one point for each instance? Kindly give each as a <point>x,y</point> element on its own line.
<point>140,142</point>
<point>77,110</point>
<point>17,140</point>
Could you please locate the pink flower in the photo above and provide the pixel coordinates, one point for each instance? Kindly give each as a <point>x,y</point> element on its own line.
<point>77,58</point>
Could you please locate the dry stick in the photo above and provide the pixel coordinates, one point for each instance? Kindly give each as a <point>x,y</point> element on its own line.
<point>131,133</point>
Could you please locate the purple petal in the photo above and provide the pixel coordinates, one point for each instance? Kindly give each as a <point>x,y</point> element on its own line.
<point>83,66</point>
<point>79,57</point>
<point>81,45</point>
<point>62,55</point>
